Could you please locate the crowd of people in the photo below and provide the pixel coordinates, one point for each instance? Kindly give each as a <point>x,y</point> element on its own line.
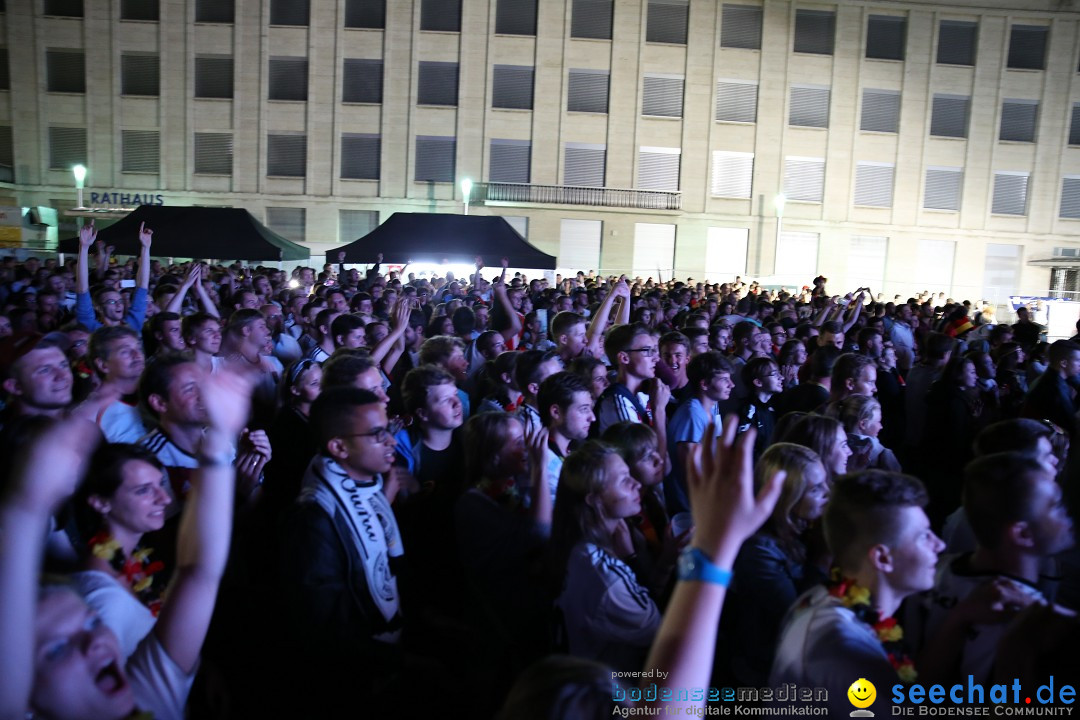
<point>230,492</point>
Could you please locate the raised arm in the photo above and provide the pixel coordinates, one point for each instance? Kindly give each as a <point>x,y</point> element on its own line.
<point>380,352</point>
<point>103,255</point>
<point>502,303</point>
<point>142,280</point>
<point>87,237</point>
<point>177,303</point>
<point>594,336</point>
<point>204,298</point>
<point>854,311</point>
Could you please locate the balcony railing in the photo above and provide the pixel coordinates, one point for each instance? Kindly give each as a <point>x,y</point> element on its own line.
<point>577,195</point>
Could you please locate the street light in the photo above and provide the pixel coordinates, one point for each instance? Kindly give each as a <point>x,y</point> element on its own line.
<point>466,191</point>
<point>80,175</point>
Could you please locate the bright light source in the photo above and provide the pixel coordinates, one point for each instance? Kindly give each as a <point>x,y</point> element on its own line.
<point>779,201</point>
<point>80,174</point>
<point>466,188</point>
<point>294,283</point>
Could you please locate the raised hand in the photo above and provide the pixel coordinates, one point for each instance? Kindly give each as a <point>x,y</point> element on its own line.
<point>226,395</point>
<point>402,312</point>
<point>87,235</point>
<point>378,258</point>
<point>52,465</point>
<point>505,262</point>
<point>145,236</point>
<point>479,262</point>
<point>193,275</point>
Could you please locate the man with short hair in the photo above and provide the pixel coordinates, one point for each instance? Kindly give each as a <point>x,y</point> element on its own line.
<point>285,347</point>
<point>675,352</point>
<point>1052,395</point>
<point>348,332</point>
<point>762,376</point>
<point>430,397</point>
<point>116,355</point>
<point>324,337</point>
<point>165,331</point>
<point>202,337</point>
<point>566,410</point>
<point>36,375</point>
<point>637,395</point>
<point>903,338</point>
<point>530,371</point>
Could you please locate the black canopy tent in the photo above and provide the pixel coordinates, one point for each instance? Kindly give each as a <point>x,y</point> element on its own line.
<point>196,232</point>
<point>434,237</point>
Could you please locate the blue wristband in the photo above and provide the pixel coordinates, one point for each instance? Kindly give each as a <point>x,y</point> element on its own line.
<point>695,566</point>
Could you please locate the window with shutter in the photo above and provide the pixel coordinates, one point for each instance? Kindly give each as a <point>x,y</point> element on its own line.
<point>520,223</point>
<point>815,31</point>
<point>213,153</point>
<point>141,151</point>
<point>66,71</point>
<point>957,41</point>
<point>654,250</point>
<point>365,14</point>
<point>591,19</point>
<point>440,15</point>
<point>804,178</point>
<point>885,37</point>
<point>732,174</point>
<point>1018,120</point>
<point>435,158</point>
<point>736,101</point>
<point>64,8</point>
<point>796,258</point>
<point>1070,197</point>
<point>290,223</point>
<point>658,168</point>
<point>5,70</point>
<point>512,87</point>
<point>515,17</point>
<point>140,10</point>
<point>355,224</point>
<point>584,164</point>
<point>949,117</point>
<point>943,186</point>
<point>935,264</point>
<point>437,83</point>
<point>579,245</point>
<point>740,26</point>
<point>139,75</point>
<point>289,12</point>
<point>1027,46</point>
<point>67,147</point>
<point>880,111</point>
<point>866,261</point>
<point>286,155</point>
<point>7,155</point>
<point>666,21</point>
<point>662,95</point>
<point>1001,273</point>
<point>1074,125</point>
<point>362,81</point>
<point>587,91</point>
<point>1010,193</point>
<point>809,106</point>
<point>510,161</point>
<point>215,11</point>
<point>725,253</point>
<point>361,156</point>
<point>288,78</point>
<point>213,76</point>
<point>874,184</point>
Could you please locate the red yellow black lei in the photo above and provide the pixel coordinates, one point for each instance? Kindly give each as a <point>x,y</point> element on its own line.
<point>888,630</point>
<point>138,571</point>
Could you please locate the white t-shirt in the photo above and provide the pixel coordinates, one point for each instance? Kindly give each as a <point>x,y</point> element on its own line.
<point>128,618</point>
<point>159,685</point>
<point>121,423</point>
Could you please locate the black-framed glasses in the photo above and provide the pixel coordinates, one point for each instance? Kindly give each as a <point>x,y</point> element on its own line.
<point>380,434</point>
<point>646,351</point>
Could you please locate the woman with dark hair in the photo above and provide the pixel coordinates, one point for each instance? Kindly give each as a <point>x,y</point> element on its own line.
<point>791,359</point>
<point>594,372</point>
<point>439,325</point>
<point>1011,380</point>
<point>498,391</point>
<point>290,434</point>
<point>826,437</point>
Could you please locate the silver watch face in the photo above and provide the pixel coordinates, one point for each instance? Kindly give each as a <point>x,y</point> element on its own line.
<point>686,562</point>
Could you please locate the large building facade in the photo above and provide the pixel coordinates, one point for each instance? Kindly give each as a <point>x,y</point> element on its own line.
<point>916,145</point>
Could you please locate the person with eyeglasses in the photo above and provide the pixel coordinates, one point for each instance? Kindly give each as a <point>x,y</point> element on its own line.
<point>762,376</point>
<point>109,303</point>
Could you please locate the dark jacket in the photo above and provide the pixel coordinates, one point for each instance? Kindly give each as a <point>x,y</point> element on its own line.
<point>1051,399</point>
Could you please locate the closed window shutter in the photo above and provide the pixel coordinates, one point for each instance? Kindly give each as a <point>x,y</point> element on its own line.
<point>67,147</point>
<point>740,27</point>
<point>732,174</point>
<point>935,264</point>
<point>804,178</point>
<point>874,184</point>
<point>7,155</point>
<point>288,78</point>
<point>866,261</point>
<point>663,96</point>
<point>943,186</point>
<point>215,11</point>
<point>515,17</point>
<point>64,8</point>
<point>139,75</point>
<point>587,91</point>
<point>5,70</point>
<point>512,87</point>
<point>520,223</point>
<point>1027,46</point>
<point>809,106</point>
<point>361,156</point>
<point>362,81</point>
<point>437,83</point>
<point>286,155</point>
<point>290,223</point>
<point>441,15</point>
<point>1074,125</point>
<point>66,71</point>
<point>1010,193</point>
<point>213,153</point>
<point>796,257</point>
<point>880,111</point>
<point>1001,273</point>
<point>579,245</point>
<point>510,160</point>
<point>355,224</point>
<point>591,19</point>
<point>725,253</point>
<point>654,250</point>
<point>139,10</point>
<point>736,101</point>
<point>658,168</point>
<point>584,165</point>
<point>1018,120</point>
<point>365,14</point>
<point>815,31</point>
<point>213,76</point>
<point>1070,197</point>
<point>289,12</point>
<point>885,37</point>
<point>949,117</point>
<point>667,21</point>
<point>957,41</point>
<point>435,158</point>
<point>141,151</point>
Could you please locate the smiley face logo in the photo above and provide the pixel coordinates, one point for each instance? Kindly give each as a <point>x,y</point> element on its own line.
<point>862,694</point>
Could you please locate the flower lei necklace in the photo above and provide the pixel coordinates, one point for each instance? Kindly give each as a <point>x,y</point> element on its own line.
<point>888,630</point>
<point>504,493</point>
<point>137,570</point>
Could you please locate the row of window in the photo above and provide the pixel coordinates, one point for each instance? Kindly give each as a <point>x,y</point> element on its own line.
<point>667,22</point>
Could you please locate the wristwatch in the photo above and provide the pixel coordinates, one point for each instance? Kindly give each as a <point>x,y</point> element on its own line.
<point>695,566</point>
